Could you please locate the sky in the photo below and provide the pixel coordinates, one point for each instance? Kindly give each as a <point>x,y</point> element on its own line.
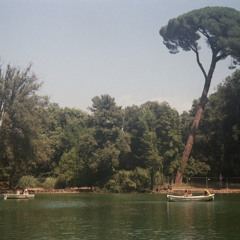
<point>86,48</point>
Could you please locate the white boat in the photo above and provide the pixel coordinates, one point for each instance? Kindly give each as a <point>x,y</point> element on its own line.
<point>18,196</point>
<point>175,198</point>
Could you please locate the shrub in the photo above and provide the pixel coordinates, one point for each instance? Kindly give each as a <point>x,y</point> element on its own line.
<point>28,181</point>
<point>112,186</point>
<point>142,178</point>
<point>60,183</point>
<point>121,182</point>
<point>49,183</point>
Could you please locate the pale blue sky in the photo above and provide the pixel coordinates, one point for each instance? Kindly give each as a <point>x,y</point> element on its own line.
<point>84,48</point>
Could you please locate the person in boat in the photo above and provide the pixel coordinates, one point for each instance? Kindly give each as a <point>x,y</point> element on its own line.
<point>25,192</point>
<point>206,193</point>
<point>187,194</point>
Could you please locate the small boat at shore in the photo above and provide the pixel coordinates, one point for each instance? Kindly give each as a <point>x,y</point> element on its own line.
<point>18,196</point>
<point>175,198</point>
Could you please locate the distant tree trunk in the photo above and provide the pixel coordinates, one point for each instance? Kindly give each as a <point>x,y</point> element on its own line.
<point>195,125</point>
<point>1,114</point>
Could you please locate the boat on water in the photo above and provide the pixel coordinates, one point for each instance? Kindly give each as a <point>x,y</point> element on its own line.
<point>175,198</point>
<point>18,196</point>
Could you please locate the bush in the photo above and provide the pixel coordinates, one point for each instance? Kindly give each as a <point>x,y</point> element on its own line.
<point>49,183</point>
<point>142,178</point>
<point>28,181</point>
<point>112,186</point>
<point>60,183</point>
<point>121,182</point>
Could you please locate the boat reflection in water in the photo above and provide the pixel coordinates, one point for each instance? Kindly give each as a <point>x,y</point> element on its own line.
<point>189,217</point>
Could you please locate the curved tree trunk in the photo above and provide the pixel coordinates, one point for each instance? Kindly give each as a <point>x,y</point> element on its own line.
<point>189,144</point>
<point>194,128</point>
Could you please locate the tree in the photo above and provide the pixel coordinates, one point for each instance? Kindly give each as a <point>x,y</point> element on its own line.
<point>220,26</point>
<point>107,118</point>
<point>63,128</point>
<point>69,167</point>
<point>150,143</point>
<point>133,125</point>
<point>112,141</point>
<point>23,146</point>
<point>86,150</point>
<point>156,140</point>
<point>168,133</point>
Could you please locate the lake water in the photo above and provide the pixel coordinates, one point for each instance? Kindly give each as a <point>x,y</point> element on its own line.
<point>119,216</point>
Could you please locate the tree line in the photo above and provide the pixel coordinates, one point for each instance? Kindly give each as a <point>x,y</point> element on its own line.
<point>110,147</point>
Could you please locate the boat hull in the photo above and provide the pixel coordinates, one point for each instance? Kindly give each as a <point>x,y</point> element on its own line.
<point>18,196</point>
<point>174,198</point>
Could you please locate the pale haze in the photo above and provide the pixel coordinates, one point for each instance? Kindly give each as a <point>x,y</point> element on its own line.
<point>85,48</point>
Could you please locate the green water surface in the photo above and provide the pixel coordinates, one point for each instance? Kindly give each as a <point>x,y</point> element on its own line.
<point>119,216</point>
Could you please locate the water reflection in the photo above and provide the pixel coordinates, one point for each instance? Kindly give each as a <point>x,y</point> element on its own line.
<point>118,216</point>
<point>191,219</point>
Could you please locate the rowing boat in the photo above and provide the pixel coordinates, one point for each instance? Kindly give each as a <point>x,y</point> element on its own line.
<point>18,196</point>
<point>175,198</point>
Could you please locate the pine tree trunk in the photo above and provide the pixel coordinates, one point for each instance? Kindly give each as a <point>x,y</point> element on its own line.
<point>191,137</point>
<point>189,145</point>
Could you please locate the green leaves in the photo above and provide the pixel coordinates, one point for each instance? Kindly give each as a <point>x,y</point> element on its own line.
<point>20,122</point>
<point>105,112</point>
<point>156,139</point>
<point>220,26</point>
<point>221,127</point>
<point>69,166</point>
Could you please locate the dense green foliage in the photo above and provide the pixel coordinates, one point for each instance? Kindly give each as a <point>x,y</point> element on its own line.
<point>220,26</point>
<point>23,146</point>
<point>27,181</point>
<point>131,149</point>
<point>219,132</point>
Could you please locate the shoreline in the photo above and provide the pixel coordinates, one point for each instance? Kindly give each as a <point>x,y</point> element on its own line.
<point>180,191</point>
<point>173,191</point>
